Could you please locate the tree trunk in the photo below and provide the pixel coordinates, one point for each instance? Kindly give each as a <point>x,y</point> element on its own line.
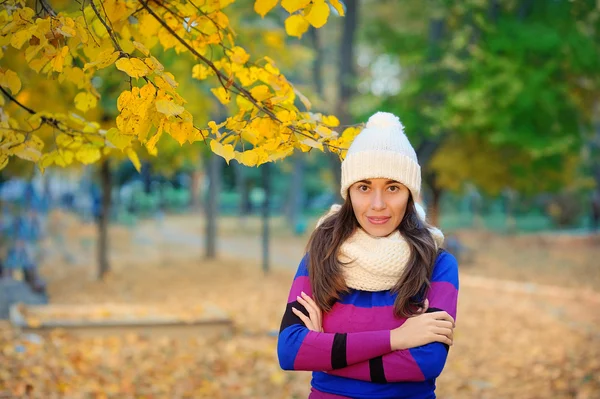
<point>265,216</point>
<point>346,79</point>
<point>146,177</point>
<point>296,191</point>
<point>103,220</point>
<point>196,179</point>
<point>212,205</point>
<point>241,185</point>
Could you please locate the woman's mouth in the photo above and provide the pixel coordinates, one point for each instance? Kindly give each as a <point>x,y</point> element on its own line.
<point>378,219</point>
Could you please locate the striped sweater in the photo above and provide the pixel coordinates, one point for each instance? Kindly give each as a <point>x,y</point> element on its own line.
<point>352,357</point>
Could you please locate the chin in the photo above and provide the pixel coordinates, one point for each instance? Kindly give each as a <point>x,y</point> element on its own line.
<point>379,232</point>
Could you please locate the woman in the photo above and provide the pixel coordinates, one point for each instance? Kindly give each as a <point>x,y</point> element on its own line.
<point>376,270</point>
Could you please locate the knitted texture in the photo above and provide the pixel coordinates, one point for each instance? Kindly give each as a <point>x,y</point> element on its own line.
<point>382,150</point>
<point>376,263</point>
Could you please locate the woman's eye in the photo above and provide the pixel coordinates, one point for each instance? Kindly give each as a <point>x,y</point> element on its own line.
<point>394,188</point>
<point>363,188</point>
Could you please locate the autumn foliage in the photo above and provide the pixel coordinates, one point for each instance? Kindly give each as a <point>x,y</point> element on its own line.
<point>267,117</point>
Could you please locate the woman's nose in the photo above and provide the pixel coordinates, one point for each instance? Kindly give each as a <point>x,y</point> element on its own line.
<point>377,200</point>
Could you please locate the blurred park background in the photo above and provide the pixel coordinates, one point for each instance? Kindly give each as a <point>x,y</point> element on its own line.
<point>501,100</point>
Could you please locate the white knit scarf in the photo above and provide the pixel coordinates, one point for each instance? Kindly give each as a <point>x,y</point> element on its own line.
<point>376,263</point>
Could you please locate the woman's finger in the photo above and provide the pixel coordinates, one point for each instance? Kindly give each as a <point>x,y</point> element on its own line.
<point>310,301</point>
<point>311,311</point>
<point>314,305</point>
<point>443,316</point>
<point>306,320</point>
<point>444,324</point>
<point>444,331</point>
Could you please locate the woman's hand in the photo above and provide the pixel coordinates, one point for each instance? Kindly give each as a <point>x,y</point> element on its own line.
<point>314,320</point>
<point>423,329</point>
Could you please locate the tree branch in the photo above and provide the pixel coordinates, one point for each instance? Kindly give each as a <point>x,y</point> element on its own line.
<point>111,33</point>
<point>11,98</point>
<point>220,75</point>
<point>47,8</point>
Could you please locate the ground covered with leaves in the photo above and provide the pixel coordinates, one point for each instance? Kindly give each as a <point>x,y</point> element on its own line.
<point>520,332</point>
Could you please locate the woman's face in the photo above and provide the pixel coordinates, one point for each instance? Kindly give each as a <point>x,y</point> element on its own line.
<point>379,205</point>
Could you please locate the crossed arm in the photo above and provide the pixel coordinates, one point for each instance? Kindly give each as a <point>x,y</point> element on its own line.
<point>373,355</point>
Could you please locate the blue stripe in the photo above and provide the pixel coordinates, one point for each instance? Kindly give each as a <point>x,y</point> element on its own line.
<point>288,345</point>
<point>430,358</point>
<point>302,267</point>
<point>358,389</point>
<point>446,269</point>
<point>366,299</point>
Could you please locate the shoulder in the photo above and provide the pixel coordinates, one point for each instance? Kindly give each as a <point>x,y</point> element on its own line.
<point>445,268</point>
<point>302,267</point>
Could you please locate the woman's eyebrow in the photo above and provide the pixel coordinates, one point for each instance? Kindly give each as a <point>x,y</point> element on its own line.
<point>365,181</point>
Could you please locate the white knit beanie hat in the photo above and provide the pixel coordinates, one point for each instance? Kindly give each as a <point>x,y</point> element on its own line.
<point>382,150</point>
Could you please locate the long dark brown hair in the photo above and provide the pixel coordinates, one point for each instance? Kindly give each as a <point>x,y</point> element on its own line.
<point>325,269</point>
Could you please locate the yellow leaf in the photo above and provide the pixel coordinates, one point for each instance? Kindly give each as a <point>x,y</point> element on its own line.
<point>262,7</point>
<point>148,25</point>
<point>312,143</point>
<point>303,99</point>
<point>286,116</point>
<point>226,151</point>
<point>201,72</point>
<point>27,152</point>
<point>133,67</point>
<point>319,12</point>
<point>124,100</point>
<point>151,144</point>
<point>222,94</point>
<point>280,154</point>
<point>88,154</point>
<point>338,7</point>
<point>243,103</point>
<point>47,160</point>
<point>85,101</point>
<point>168,108</point>
<point>59,60</point>
<point>141,47</point>
<point>331,121</point>
<point>261,93</point>
<point>239,55</point>
<point>248,158</point>
<point>105,58</point>
<point>181,131</point>
<point>133,157</point>
<point>154,64</point>
<point>64,158</point>
<point>296,25</point>
<point>11,81</point>
<point>3,161</point>
<point>292,6</point>
<point>324,131</point>
<point>19,38</point>
<point>118,139</point>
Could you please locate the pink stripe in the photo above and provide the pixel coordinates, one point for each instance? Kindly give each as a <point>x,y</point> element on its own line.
<point>401,366</point>
<point>443,295</point>
<point>301,283</point>
<point>315,352</point>
<point>367,345</point>
<point>359,371</point>
<point>314,394</point>
<point>348,318</point>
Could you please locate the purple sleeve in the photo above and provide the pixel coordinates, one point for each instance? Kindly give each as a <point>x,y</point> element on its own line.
<point>424,362</point>
<point>298,348</point>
